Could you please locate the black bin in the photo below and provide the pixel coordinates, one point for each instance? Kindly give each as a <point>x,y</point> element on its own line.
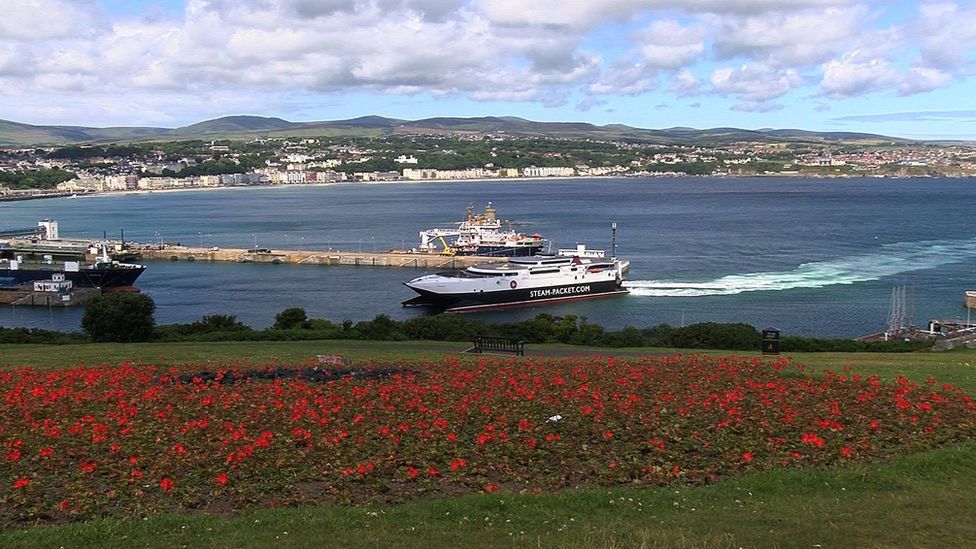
<point>770,341</point>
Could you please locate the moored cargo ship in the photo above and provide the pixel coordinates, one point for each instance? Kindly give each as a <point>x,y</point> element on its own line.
<point>102,272</point>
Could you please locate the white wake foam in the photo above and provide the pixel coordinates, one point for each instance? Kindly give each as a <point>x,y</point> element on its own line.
<point>889,260</point>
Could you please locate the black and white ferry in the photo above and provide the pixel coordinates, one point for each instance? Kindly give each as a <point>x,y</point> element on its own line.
<point>571,275</point>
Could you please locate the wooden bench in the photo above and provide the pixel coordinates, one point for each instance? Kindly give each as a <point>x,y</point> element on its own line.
<point>498,345</point>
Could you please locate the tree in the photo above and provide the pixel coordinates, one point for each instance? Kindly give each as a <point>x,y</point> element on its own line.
<point>291,318</point>
<point>122,317</point>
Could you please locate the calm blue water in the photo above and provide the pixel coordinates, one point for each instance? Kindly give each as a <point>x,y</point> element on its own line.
<point>814,257</point>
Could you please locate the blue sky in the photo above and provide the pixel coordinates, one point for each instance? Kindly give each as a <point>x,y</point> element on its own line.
<point>884,66</point>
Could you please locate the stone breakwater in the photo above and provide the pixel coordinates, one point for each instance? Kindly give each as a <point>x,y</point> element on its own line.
<point>312,257</point>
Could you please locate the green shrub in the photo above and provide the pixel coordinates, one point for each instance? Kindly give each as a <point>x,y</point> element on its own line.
<point>119,317</point>
<point>293,317</point>
<point>711,335</point>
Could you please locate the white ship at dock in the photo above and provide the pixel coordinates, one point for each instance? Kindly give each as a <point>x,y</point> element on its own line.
<point>482,235</point>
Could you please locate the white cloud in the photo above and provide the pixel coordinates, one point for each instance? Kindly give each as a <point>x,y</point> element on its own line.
<point>590,102</point>
<point>483,50</point>
<point>625,79</point>
<point>667,44</point>
<point>755,83</point>
<point>789,39</point>
<point>922,79</point>
<point>852,76</point>
<point>684,84</point>
<point>588,13</point>
<point>946,33</point>
<point>36,20</point>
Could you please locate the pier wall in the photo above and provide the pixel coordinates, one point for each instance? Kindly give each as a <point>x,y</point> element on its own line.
<point>303,257</point>
<point>27,297</point>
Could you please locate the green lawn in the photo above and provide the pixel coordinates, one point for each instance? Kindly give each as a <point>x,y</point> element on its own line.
<point>920,500</point>
<point>957,367</point>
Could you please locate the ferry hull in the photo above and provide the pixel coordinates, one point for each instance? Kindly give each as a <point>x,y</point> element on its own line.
<point>519,297</point>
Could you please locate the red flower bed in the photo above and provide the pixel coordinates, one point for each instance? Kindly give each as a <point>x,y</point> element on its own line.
<point>135,439</point>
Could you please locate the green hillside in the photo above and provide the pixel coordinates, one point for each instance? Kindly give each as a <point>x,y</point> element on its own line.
<point>15,134</point>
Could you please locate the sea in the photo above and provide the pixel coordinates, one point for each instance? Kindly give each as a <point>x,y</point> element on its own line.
<point>809,257</point>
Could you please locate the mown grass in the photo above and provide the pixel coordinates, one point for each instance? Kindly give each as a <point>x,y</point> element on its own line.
<point>923,500</point>
<point>957,367</point>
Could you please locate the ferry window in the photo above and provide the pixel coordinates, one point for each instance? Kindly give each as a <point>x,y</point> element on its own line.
<point>547,271</point>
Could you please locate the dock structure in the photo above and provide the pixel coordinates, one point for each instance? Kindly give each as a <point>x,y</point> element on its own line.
<point>27,296</point>
<point>312,257</point>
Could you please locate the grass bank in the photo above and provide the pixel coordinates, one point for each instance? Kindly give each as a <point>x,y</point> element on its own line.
<point>924,500</point>
<point>957,367</point>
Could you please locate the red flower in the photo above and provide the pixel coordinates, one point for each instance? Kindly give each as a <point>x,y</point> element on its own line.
<point>166,484</point>
<point>46,452</point>
<point>21,483</point>
<point>87,466</point>
<point>413,472</point>
<point>491,487</point>
<point>222,479</point>
<point>846,451</point>
<point>813,439</point>
<point>747,457</point>
<point>608,435</point>
<point>365,468</point>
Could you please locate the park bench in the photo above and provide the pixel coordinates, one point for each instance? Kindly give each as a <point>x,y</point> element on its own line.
<point>498,345</point>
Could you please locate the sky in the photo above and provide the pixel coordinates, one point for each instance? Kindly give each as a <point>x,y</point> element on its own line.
<point>882,66</point>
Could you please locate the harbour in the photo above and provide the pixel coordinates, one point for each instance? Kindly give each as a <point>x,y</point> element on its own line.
<point>811,257</point>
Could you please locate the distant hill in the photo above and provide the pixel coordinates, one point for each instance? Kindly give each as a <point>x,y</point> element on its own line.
<point>234,125</point>
<point>15,134</point>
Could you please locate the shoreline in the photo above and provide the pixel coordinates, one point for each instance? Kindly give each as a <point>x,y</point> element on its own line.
<point>64,194</point>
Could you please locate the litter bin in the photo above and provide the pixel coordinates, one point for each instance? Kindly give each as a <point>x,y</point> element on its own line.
<point>770,341</point>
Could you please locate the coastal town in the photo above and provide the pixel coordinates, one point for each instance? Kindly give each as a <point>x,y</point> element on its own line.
<point>37,172</point>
